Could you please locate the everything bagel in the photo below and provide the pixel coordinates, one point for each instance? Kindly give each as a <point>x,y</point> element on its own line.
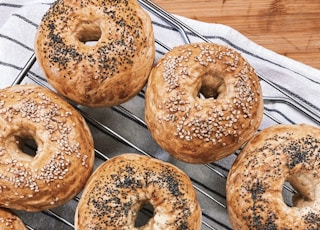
<point>278,154</point>
<point>121,186</point>
<point>106,73</point>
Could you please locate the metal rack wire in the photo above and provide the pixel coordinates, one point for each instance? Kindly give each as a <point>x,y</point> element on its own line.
<point>108,125</point>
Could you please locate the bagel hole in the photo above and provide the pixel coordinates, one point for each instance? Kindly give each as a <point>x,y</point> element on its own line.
<point>144,215</point>
<point>22,145</point>
<point>27,145</point>
<point>212,86</point>
<point>287,194</point>
<point>89,33</point>
<point>297,194</point>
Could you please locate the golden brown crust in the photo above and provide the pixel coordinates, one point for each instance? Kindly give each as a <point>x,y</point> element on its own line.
<point>194,129</point>
<point>107,73</point>
<point>64,156</point>
<point>255,182</point>
<point>9,221</point>
<point>119,187</point>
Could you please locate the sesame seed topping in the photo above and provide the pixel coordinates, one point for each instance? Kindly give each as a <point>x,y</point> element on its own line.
<point>38,116</point>
<point>223,119</point>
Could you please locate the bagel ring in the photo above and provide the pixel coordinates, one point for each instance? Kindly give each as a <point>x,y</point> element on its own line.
<point>64,155</point>
<point>120,187</point>
<point>202,130</point>
<point>278,154</point>
<point>10,221</point>
<point>106,73</point>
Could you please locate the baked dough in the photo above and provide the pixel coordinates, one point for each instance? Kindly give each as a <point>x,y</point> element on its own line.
<point>10,221</point>
<point>199,129</point>
<point>106,73</point>
<point>120,187</point>
<point>64,156</point>
<point>279,154</point>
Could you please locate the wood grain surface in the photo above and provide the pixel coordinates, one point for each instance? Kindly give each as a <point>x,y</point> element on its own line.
<point>288,27</point>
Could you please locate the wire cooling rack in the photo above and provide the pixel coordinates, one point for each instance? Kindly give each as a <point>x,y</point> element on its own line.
<point>122,129</point>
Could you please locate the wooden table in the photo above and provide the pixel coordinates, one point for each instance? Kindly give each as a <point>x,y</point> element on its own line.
<point>288,27</point>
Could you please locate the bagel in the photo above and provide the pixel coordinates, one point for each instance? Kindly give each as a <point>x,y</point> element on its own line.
<point>106,73</point>
<point>64,155</point>
<point>9,221</point>
<point>278,154</point>
<point>121,186</point>
<point>196,129</point>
